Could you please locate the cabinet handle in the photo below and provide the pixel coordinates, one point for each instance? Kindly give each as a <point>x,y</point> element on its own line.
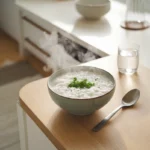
<point>36,25</point>
<point>37,47</point>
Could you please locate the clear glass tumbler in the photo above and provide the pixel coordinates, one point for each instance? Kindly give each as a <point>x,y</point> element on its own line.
<point>128,58</point>
<point>135,15</point>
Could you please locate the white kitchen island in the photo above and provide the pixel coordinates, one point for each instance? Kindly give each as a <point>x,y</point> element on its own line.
<point>101,36</point>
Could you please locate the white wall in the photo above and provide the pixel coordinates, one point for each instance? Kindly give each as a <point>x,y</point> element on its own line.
<point>9,21</point>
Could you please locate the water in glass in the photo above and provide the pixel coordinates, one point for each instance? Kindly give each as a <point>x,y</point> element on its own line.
<point>128,60</point>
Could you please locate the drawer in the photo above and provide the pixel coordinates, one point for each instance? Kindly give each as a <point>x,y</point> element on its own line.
<point>33,31</point>
<point>43,55</point>
<point>39,21</point>
<point>35,50</point>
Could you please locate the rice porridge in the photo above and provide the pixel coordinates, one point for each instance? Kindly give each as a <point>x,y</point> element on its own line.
<point>100,85</point>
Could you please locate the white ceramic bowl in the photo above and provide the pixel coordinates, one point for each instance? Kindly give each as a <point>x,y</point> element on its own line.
<point>93,9</point>
<point>80,106</point>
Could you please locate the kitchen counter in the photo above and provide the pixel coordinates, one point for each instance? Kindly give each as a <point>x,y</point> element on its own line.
<point>43,125</point>
<point>101,36</point>
<point>128,130</point>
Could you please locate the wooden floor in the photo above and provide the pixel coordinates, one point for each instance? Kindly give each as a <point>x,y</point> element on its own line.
<point>8,49</point>
<point>9,52</point>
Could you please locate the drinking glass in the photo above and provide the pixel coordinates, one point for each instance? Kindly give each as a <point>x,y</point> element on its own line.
<point>135,15</point>
<point>128,58</point>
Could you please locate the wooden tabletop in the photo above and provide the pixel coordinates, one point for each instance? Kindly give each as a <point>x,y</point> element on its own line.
<point>128,130</point>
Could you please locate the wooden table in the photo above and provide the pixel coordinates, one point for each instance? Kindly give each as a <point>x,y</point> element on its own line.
<point>128,130</point>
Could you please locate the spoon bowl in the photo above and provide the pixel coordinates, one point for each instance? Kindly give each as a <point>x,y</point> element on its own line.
<point>131,98</point>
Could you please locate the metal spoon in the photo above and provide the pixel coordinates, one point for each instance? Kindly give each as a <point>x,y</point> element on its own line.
<point>128,100</point>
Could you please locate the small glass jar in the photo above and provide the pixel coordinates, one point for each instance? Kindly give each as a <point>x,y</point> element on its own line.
<point>128,58</point>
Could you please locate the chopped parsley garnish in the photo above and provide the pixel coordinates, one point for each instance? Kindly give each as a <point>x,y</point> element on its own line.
<point>80,84</point>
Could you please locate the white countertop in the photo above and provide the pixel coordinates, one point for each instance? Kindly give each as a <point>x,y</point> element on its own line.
<point>104,35</point>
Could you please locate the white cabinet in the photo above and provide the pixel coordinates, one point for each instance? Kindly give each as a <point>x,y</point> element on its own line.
<point>32,33</point>
<point>36,51</point>
<point>31,137</point>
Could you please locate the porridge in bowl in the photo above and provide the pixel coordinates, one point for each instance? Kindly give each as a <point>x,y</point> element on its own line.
<point>82,84</point>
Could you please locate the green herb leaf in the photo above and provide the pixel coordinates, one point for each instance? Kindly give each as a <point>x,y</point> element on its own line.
<point>80,84</point>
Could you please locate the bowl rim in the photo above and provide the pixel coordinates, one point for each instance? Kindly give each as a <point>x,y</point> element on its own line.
<point>93,5</point>
<point>114,84</point>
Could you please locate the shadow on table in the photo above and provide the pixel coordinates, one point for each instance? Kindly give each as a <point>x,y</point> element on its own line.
<point>77,129</point>
<point>91,28</point>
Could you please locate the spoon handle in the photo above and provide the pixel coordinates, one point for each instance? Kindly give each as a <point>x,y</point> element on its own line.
<point>106,119</point>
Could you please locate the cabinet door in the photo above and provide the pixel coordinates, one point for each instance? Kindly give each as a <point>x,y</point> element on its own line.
<point>33,31</point>
<point>31,137</point>
<point>36,139</point>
